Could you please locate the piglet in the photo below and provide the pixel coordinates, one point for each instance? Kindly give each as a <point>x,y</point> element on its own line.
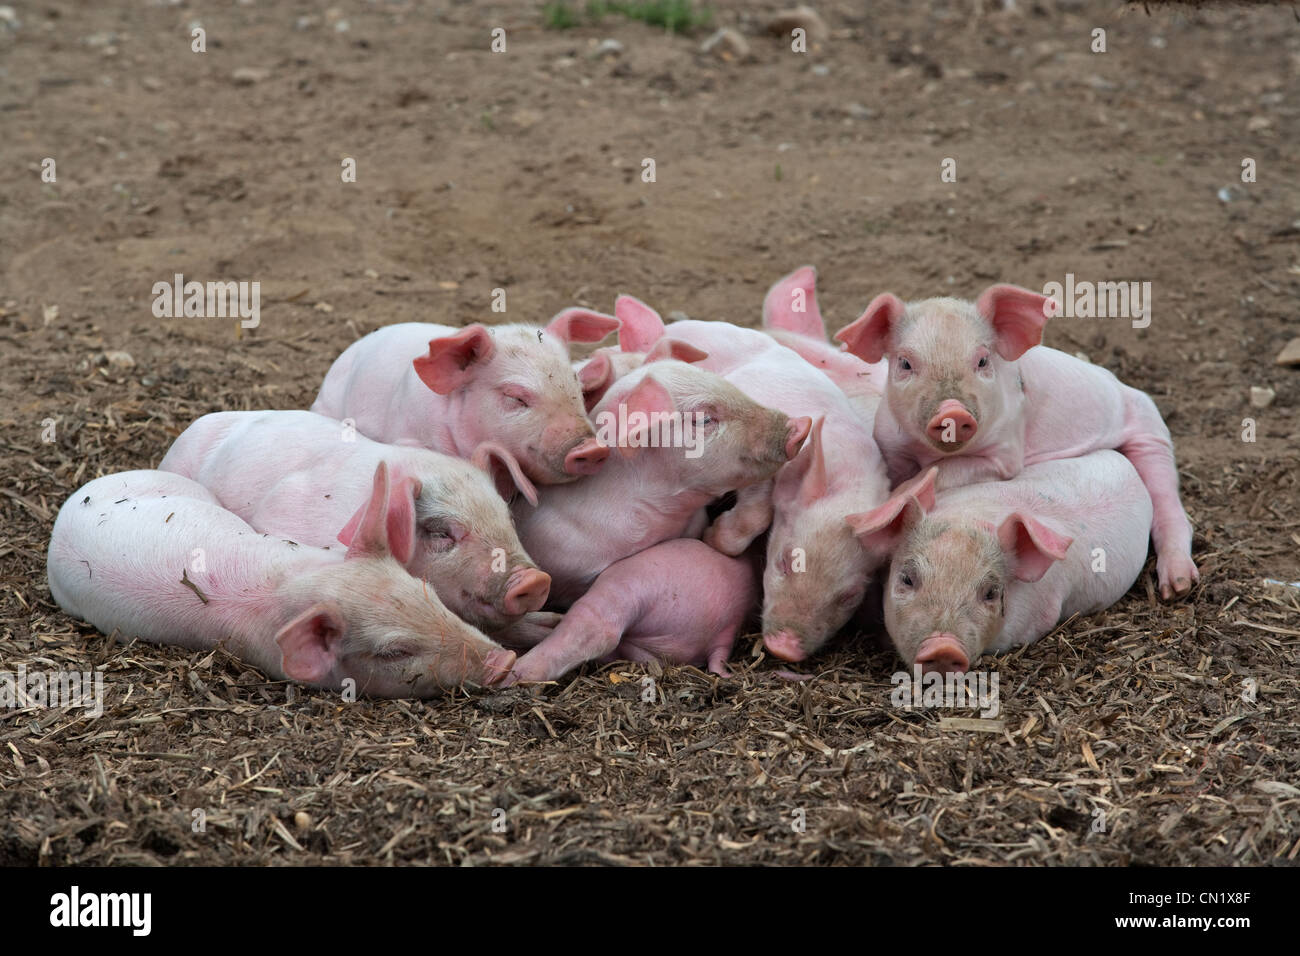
<point>679,602</point>
<point>303,476</point>
<point>817,571</point>
<point>971,390</point>
<point>155,556</point>
<point>684,437</point>
<point>991,566</point>
<point>451,389</point>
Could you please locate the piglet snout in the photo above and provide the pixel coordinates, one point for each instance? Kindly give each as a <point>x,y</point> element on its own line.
<point>952,424</point>
<point>496,665</point>
<point>527,591</point>
<point>942,653</point>
<point>796,432</point>
<point>785,645</point>
<point>585,458</point>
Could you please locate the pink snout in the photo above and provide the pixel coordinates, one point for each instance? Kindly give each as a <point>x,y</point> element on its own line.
<point>527,591</point>
<point>585,458</point>
<point>942,653</point>
<point>785,645</point>
<point>952,424</point>
<point>496,665</point>
<point>796,432</point>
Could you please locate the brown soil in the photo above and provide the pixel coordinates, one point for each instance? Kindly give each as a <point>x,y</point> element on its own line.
<point>521,170</point>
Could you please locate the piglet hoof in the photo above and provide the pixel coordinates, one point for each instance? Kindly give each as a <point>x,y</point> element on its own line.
<point>1177,574</point>
<point>721,538</point>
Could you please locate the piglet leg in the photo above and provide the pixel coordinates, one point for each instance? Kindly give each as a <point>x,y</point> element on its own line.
<point>733,531</point>
<point>1148,446</point>
<point>590,630</point>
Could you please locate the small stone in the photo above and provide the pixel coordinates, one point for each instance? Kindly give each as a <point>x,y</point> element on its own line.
<point>343,26</point>
<point>306,23</point>
<point>323,307</point>
<point>302,821</point>
<point>860,112</point>
<point>726,44</point>
<point>115,360</point>
<point>449,284</point>
<point>1290,354</point>
<point>821,69</point>
<point>1083,357</point>
<point>1262,397</point>
<point>49,313</point>
<point>1257,123</point>
<point>677,315</point>
<point>814,27</point>
<point>371,274</point>
<point>151,83</point>
<point>9,18</point>
<point>248,75</point>
<point>610,47</point>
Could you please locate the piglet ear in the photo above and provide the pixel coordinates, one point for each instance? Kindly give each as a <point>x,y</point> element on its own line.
<point>503,468</point>
<point>581,325</point>
<point>366,535</point>
<point>595,376</point>
<point>791,304</point>
<point>1017,317</point>
<point>310,643</point>
<point>453,359</point>
<point>921,488</point>
<point>641,326</point>
<point>881,529</point>
<point>667,348</point>
<point>869,336</point>
<point>809,466</point>
<point>1033,545</point>
<point>650,398</point>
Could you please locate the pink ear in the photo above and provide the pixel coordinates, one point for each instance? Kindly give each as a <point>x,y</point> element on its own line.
<point>503,468</point>
<point>667,348</point>
<point>1017,317</point>
<point>921,488</point>
<point>581,325</point>
<point>881,528</point>
<point>649,398</point>
<point>868,336</point>
<point>309,644</point>
<point>401,518</point>
<point>640,326</point>
<point>367,532</point>
<point>452,360</point>
<point>1034,545</point>
<point>595,377</point>
<point>791,304</point>
<point>810,466</point>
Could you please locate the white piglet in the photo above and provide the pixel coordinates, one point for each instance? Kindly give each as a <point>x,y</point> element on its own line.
<point>453,389</point>
<point>998,564</point>
<point>154,556</point>
<point>308,478</point>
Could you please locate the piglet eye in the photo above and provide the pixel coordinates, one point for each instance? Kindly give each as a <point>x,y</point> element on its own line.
<point>905,365</point>
<point>905,579</point>
<point>991,594</point>
<point>393,652</point>
<point>984,361</point>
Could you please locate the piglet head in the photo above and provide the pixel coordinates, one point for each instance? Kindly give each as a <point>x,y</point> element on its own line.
<point>817,571</point>
<point>515,385</point>
<point>945,601</point>
<point>952,364</point>
<point>367,619</point>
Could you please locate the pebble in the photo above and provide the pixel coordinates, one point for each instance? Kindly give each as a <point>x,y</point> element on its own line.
<point>1290,354</point>
<point>248,75</point>
<point>726,44</point>
<point>608,47</point>
<point>1262,397</point>
<point>801,16</point>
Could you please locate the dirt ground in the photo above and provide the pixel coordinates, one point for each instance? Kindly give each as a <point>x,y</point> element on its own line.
<point>1131,737</point>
